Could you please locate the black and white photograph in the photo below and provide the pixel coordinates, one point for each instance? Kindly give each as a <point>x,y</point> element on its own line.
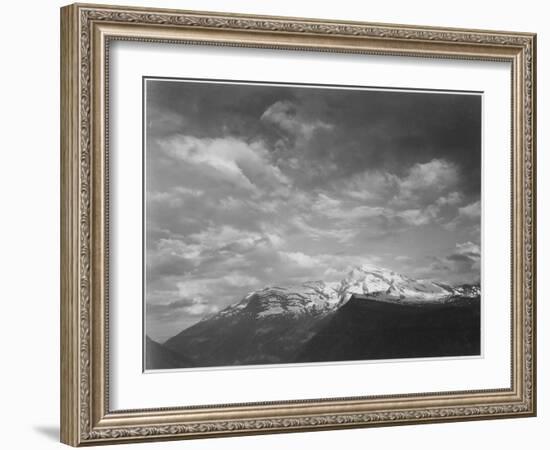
<point>287,224</point>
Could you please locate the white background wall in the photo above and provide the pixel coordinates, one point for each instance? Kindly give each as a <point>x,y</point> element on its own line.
<point>29,237</point>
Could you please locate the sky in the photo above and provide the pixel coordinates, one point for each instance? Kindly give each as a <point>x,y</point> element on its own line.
<point>251,185</point>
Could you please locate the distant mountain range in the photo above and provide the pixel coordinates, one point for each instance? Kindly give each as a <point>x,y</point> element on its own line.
<point>373,313</point>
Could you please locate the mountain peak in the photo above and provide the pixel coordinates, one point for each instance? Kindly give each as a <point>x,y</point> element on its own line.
<point>312,297</point>
<point>320,297</point>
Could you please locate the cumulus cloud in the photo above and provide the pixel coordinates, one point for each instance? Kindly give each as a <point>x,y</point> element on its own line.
<point>286,115</point>
<point>371,186</point>
<point>424,194</point>
<point>467,218</point>
<point>300,259</point>
<point>471,211</point>
<point>240,162</point>
<point>469,249</point>
<point>462,264</point>
<point>425,182</point>
<point>344,212</point>
<point>451,199</point>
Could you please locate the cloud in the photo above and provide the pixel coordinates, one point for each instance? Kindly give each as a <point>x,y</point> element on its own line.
<point>375,204</point>
<point>321,266</point>
<point>452,199</point>
<point>163,319</point>
<point>471,211</point>
<point>426,193</point>
<point>286,115</point>
<point>326,204</point>
<point>226,237</point>
<point>425,182</point>
<point>417,217</point>
<point>469,248</point>
<point>468,219</point>
<point>300,259</point>
<point>164,122</point>
<point>344,211</point>
<point>204,289</point>
<point>192,306</point>
<point>246,165</point>
<point>403,258</point>
<point>239,279</point>
<point>341,235</point>
<point>372,186</point>
<point>462,264</point>
<point>183,266</point>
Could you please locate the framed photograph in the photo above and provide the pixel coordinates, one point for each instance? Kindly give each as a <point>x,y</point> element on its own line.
<point>274,224</point>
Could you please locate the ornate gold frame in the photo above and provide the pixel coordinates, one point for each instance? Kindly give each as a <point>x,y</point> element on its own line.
<point>86,31</point>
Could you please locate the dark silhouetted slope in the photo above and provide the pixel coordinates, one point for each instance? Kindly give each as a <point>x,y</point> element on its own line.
<point>157,356</point>
<point>247,337</point>
<point>366,329</point>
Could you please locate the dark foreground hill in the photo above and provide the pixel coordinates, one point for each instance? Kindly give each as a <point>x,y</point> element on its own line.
<point>157,356</point>
<point>367,329</point>
<point>246,338</point>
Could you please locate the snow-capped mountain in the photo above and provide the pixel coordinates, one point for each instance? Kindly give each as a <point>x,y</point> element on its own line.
<point>377,281</point>
<point>313,298</point>
<point>371,313</point>
<point>319,297</point>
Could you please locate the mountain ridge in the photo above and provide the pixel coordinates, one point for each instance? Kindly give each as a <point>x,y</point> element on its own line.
<point>310,321</point>
<point>365,280</point>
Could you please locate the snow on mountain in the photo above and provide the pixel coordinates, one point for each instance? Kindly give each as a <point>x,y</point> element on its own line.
<point>318,298</point>
<point>468,290</point>
<point>377,281</point>
<point>313,298</point>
